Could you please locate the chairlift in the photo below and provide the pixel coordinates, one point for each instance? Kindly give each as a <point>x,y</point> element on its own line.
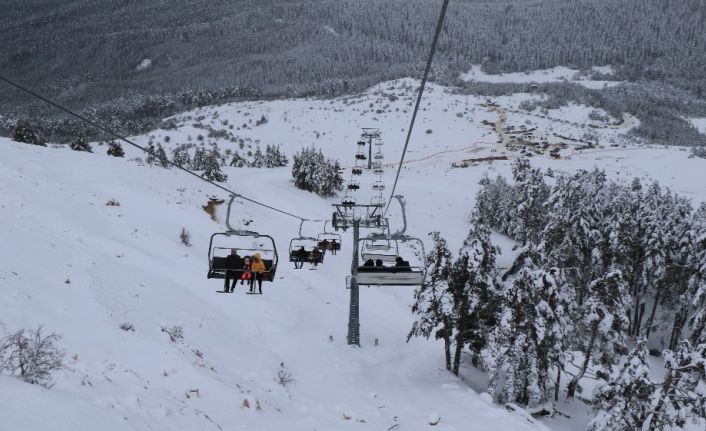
<point>332,239</point>
<point>379,186</point>
<point>308,242</point>
<point>222,244</point>
<point>353,186</point>
<point>378,247</point>
<point>362,143</point>
<point>348,202</point>
<point>361,157</point>
<point>357,171</point>
<point>389,275</point>
<point>378,155</point>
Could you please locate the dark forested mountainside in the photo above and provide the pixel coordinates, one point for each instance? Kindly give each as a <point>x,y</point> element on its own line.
<point>88,52</point>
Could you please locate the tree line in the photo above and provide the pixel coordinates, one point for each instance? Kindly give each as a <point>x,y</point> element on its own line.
<point>601,266</point>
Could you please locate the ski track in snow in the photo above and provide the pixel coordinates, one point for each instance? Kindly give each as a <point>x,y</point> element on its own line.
<point>126,264</point>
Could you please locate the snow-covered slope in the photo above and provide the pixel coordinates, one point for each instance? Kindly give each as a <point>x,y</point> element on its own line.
<point>81,268</point>
<point>126,264</point>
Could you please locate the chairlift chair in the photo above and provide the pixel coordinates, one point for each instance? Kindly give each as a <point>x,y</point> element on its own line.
<point>391,275</point>
<point>379,186</point>
<point>348,202</point>
<point>308,242</point>
<point>361,157</point>
<point>329,237</point>
<point>357,171</point>
<point>353,186</point>
<point>222,243</point>
<point>378,155</point>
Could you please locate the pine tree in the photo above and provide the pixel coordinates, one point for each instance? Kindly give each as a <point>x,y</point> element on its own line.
<point>475,289</point>
<point>212,167</point>
<point>654,211</point>
<point>528,211</point>
<point>433,301</point>
<point>274,158</point>
<point>572,237</point>
<point>115,149</point>
<point>314,173</point>
<point>625,402</point>
<point>604,321</point>
<point>238,161</point>
<point>697,282</point>
<point>181,157</point>
<point>24,132</point>
<point>493,203</point>
<point>681,397</point>
<point>258,159</point>
<point>160,157</point>
<point>198,163</point>
<point>80,144</point>
<point>531,337</point>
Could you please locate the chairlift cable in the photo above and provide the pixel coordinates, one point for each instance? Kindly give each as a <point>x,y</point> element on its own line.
<point>119,137</point>
<point>439,26</point>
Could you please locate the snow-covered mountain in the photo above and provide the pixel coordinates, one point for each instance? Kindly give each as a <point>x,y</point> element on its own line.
<point>82,268</point>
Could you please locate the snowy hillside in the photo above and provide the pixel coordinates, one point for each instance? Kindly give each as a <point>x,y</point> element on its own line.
<point>82,268</point>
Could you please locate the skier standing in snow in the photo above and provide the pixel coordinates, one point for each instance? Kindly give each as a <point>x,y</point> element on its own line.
<point>233,262</point>
<point>257,268</point>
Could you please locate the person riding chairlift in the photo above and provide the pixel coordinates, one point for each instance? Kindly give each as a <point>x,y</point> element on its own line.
<point>247,274</point>
<point>401,264</point>
<point>257,267</point>
<point>316,257</point>
<point>300,256</point>
<point>233,262</point>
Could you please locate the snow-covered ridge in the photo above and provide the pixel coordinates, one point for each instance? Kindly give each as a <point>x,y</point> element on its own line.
<point>555,74</point>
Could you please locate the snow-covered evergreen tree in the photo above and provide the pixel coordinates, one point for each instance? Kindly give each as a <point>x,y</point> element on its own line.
<point>274,157</point>
<point>157,156</point>
<point>198,163</point>
<point>115,149</point>
<point>475,288</point>
<point>572,239</point>
<point>527,349</point>
<point>697,282</point>
<point>181,157</point>
<point>681,397</point>
<point>238,161</point>
<point>80,144</point>
<point>528,212</point>
<point>212,167</point>
<point>258,159</point>
<point>433,301</point>
<point>603,323</point>
<point>625,403</point>
<point>313,172</point>
<point>24,132</point>
<point>493,203</point>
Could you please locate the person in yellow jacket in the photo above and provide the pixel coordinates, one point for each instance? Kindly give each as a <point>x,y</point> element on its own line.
<point>257,268</point>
